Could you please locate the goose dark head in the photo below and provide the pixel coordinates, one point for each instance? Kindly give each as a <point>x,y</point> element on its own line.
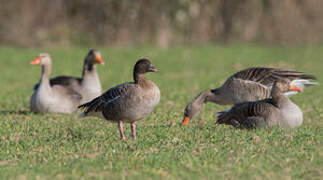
<point>143,66</point>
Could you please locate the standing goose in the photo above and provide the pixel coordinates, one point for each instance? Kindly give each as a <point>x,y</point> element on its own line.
<point>88,85</point>
<point>251,84</point>
<point>52,98</point>
<point>277,110</point>
<point>127,102</point>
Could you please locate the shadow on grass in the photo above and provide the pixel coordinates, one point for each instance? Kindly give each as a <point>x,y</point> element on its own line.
<point>15,112</point>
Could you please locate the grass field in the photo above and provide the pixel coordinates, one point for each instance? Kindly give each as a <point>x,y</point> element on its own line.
<point>61,146</point>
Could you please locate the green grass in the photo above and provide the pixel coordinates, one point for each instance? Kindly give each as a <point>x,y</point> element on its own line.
<point>61,146</point>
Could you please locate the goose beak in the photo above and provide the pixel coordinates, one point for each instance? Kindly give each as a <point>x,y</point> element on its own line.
<point>99,60</point>
<point>36,61</point>
<point>185,121</point>
<point>295,88</point>
<point>153,69</point>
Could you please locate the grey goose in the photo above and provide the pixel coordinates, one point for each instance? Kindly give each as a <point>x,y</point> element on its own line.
<point>250,84</point>
<point>127,102</point>
<point>88,85</point>
<point>53,98</point>
<point>278,110</point>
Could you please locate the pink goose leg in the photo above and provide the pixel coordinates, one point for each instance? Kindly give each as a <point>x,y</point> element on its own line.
<point>121,130</point>
<point>133,130</point>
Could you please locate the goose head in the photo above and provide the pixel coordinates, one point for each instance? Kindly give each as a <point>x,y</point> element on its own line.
<point>194,108</point>
<point>285,86</point>
<point>42,59</point>
<point>143,66</point>
<point>191,111</point>
<point>94,57</point>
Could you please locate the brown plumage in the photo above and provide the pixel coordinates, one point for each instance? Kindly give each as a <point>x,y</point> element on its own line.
<point>127,102</point>
<point>251,84</point>
<point>278,110</point>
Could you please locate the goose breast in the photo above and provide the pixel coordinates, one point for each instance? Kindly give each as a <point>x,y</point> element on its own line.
<point>136,104</point>
<point>292,115</point>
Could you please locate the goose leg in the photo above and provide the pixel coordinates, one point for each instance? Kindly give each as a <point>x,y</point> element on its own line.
<point>133,130</point>
<point>120,125</point>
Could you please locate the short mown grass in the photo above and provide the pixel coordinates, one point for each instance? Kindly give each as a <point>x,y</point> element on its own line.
<point>60,146</point>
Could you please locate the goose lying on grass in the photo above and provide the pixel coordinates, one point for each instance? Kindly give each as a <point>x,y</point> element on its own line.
<point>88,85</point>
<point>53,98</point>
<point>278,110</point>
<point>251,84</point>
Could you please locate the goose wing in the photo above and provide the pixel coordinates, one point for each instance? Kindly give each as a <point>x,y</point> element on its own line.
<point>247,114</point>
<point>267,76</point>
<point>241,90</point>
<point>110,96</point>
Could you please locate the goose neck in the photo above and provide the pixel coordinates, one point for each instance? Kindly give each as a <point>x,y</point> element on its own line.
<point>138,77</point>
<point>88,68</point>
<point>45,78</point>
<point>278,97</point>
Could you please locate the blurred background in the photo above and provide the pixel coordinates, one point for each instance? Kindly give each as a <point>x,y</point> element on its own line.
<point>51,23</point>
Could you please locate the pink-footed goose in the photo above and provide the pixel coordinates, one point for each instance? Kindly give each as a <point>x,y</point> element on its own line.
<point>88,85</point>
<point>127,102</point>
<point>52,98</point>
<point>278,110</point>
<point>251,84</point>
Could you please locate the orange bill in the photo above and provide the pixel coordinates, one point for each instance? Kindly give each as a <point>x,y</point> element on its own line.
<point>35,61</point>
<point>185,121</point>
<point>295,88</point>
<point>99,60</point>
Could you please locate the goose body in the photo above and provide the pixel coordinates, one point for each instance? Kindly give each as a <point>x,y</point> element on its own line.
<point>276,111</point>
<point>127,102</point>
<point>88,85</point>
<point>251,84</point>
<point>52,98</point>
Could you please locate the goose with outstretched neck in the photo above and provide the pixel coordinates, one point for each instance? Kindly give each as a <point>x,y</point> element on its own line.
<point>127,102</point>
<point>88,85</point>
<point>251,84</point>
<point>53,98</point>
<point>278,110</point>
